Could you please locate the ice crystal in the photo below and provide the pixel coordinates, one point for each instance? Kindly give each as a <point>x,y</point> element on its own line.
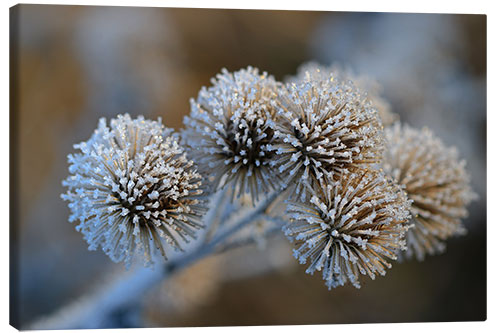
<point>323,127</point>
<point>229,128</point>
<point>315,71</point>
<point>351,226</point>
<point>437,182</point>
<point>133,188</point>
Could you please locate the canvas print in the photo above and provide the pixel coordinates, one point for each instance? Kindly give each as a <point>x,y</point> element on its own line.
<point>176,167</point>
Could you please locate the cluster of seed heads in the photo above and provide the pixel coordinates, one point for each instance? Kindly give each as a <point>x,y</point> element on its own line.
<point>138,186</point>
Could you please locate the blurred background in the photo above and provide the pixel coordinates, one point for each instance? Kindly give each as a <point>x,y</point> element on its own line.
<point>72,65</point>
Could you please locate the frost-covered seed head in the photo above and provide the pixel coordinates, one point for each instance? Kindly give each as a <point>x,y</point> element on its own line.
<point>351,226</point>
<point>323,128</point>
<point>315,71</point>
<point>228,131</point>
<point>437,182</point>
<point>132,188</point>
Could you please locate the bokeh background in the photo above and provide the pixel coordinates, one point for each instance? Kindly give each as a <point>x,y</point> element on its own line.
<point>72,65</point>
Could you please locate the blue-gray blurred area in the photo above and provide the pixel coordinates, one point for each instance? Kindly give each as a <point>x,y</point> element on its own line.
<point>72,65</point>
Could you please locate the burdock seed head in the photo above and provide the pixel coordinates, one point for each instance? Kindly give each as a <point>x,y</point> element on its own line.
<point>323,127</point>
<point>352,226</point>
<point>132,189</point>
<point>313,70</point>
<point>228,130</point>
<point>435,180</point>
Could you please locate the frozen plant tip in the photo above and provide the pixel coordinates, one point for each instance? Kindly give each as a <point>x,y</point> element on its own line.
<point>132,188</point>
<point>435,180</point>
<point>313,70</point>
<point>323,128</point>
<point>351,226</point>
<point>229,128</point>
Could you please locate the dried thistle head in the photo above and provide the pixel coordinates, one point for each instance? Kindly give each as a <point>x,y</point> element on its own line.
<point>229,128</point>
<point>132,188</point>
<point>435,180</point>
<point>323,128</point>
<point>313,70</point>
<point>350,227</point>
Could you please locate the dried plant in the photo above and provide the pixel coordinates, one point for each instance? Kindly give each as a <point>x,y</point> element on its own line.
<point>249,143</point>
<point>435,180</point>
<point>313,70</point>
<point>133,189</point>
<point>323,127</point>
<point>350,227</point>
<point>229,128</point>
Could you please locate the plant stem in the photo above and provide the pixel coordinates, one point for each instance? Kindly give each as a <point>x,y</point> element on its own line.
<point>245,219</point>
<point>98,309</point>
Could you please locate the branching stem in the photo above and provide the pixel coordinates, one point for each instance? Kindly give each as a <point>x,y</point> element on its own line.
<point>98,309</point>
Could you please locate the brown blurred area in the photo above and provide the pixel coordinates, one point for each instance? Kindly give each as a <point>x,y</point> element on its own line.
<point>52,83</point>
<point>72,65</point>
